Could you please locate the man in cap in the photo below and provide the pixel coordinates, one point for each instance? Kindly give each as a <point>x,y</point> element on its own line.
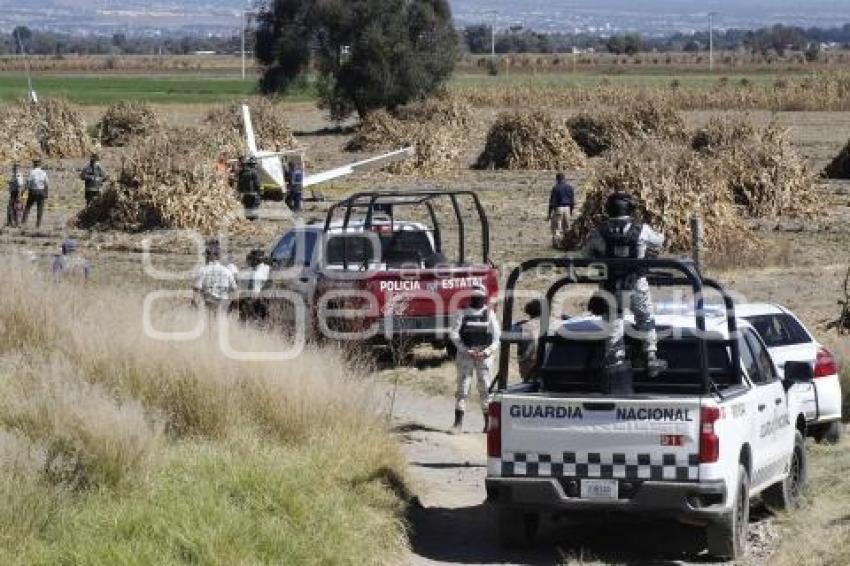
<point>622,236</point>
<point>69,264</point>
<point>16,187</point>
<point>215,285</point>
<point>250,187</point>
<point>475,334</point>
<point>562,202</point>
<point>93,178</point>
<point>37,188</point>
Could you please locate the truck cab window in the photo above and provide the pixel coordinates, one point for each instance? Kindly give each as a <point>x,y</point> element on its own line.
<point>765,372</point>
<point>295,248</point>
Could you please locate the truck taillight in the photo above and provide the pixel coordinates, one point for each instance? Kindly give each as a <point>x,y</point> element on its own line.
<point>494,430</point>
<point>709,442</point>
<point>826,363</point>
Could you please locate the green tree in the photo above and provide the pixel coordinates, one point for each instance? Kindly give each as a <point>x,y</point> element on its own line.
<point>368,54</point>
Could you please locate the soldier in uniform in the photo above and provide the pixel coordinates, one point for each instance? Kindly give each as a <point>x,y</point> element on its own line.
<point>16,187</point>
<point>295,188</point>
<point>249,186</point>
<point>623,236</point>
<point>93,177</point>
<point>475,334</point>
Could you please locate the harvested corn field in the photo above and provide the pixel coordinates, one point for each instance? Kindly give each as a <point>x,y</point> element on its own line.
<point>530,140</point>
<point>126,121</point>
<point>167,181</point>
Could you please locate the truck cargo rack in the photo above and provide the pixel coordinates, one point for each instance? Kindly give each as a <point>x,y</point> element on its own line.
<point>659,272</point>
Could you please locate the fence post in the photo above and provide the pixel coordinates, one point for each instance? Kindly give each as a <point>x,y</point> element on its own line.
<point>697,241</point>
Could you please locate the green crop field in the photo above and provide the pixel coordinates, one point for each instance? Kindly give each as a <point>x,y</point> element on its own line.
<point>204,89</point>
<point>106,89</point>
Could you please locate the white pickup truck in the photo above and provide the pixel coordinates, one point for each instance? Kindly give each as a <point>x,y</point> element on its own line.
<point>692,444</point>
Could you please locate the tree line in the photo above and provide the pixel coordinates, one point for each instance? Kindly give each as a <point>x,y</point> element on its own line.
<point>778,38</point>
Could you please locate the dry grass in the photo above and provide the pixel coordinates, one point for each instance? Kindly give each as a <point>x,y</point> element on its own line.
<point>822,91</point>
<point>723,132</point>
<point>271,126</point>
<point>530,140</point>
<point>115,447</point>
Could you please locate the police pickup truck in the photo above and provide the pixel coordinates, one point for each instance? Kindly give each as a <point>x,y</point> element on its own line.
<point>388,267</point>
<point>693,444</point>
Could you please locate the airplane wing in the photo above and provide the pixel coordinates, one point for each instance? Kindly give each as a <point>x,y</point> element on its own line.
<point>250,139</point>
<point>352,168</point>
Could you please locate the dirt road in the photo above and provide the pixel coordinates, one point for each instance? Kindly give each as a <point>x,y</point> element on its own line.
<point>450,522</point>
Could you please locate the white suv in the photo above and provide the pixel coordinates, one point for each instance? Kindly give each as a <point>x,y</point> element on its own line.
<point>787,339</point>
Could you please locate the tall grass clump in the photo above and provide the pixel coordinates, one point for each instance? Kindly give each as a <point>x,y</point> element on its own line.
<point>116,447</point>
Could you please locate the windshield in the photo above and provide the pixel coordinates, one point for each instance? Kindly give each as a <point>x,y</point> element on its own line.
<point>778,330</point>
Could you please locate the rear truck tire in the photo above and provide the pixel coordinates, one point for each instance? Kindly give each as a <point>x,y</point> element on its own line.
<point>728,539</point>
<point>787,494</point>
<point>829,433</point>
<point>516,528</point>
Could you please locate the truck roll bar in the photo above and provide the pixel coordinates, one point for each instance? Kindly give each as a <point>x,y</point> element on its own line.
<point>659,271</point>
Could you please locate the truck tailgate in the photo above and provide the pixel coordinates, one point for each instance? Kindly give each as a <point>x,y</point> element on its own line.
<point>587,438</point>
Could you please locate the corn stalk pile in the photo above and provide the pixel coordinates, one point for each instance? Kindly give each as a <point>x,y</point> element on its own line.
<point>530,140</point>
<point>723,132</point>
<point>601,130</point>
<point>167,181</point>
<point>671,183</point>
<point>767,176</point>
<point>438,127</point>
<point>839,168</point>
<point>126,121</point>
<point>271,127</point>
<point>51,128</point>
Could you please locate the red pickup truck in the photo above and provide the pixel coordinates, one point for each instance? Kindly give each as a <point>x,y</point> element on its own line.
<point>386,267</point>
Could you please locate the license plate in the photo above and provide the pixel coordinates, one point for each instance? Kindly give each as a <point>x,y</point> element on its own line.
<point>599,489</point>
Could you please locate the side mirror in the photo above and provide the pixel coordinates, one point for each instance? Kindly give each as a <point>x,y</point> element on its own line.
<point>799,372</point>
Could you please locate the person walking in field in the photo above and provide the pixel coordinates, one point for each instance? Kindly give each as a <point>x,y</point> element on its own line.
<point>70,265</point>
<point>215,285</point>
<point>562,202</point>
<point>475,334</point>
<point>37,188</point>
<point>93,177</point>
<point>16,189</point>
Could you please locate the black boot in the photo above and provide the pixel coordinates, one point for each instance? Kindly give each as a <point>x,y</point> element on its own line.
<point>458,426</point>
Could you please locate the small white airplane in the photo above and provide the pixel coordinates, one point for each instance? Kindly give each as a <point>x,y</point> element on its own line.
<point>272,169</point>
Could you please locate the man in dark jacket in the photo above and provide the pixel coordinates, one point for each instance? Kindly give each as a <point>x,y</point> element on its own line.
<point>562,202</point>
<point>250,187</point>
<point>93,178</point>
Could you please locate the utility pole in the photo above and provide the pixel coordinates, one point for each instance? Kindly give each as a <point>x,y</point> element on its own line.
<point>242,28</point>
<point>711,40</point>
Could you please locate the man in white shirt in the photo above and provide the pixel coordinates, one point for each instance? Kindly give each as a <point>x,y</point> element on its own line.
<point>475,334</point>
<point>37,187</point>
<point>215,284</point>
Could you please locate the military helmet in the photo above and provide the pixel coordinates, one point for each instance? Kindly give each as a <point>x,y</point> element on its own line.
<point>619,204</point>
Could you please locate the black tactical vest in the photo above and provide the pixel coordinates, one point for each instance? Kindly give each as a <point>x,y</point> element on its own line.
<point>621,240</point>
<point>475,330</point>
